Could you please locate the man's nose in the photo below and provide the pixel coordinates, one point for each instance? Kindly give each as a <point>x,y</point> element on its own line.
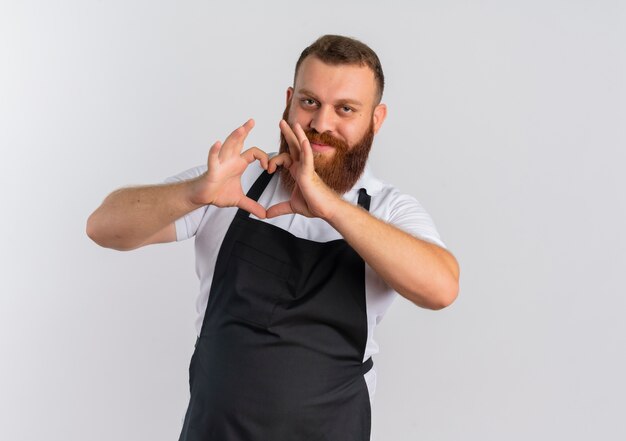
<point>324,119</point>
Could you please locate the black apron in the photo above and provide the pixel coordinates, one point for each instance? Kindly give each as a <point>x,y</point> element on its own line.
<point>280,352</point>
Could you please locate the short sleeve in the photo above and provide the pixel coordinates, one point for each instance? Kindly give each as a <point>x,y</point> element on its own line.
<point>408,214</point>
<point>187,226</point>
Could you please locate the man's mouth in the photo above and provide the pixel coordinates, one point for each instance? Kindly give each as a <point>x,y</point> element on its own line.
<point>320,148</point>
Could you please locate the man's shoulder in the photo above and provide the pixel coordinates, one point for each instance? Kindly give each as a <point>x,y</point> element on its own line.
<point>403,210</point>
<point>377,188</point>
<point>387,199</point>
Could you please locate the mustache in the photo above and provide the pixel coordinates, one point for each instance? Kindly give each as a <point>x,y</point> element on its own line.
<point>325,138</point>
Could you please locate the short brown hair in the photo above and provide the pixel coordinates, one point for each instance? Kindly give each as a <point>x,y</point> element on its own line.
<point>337,49</point>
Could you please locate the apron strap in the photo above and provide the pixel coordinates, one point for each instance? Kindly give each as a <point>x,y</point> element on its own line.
<point>366,366</point>
<point>364,199</point>
<point>259,185</point>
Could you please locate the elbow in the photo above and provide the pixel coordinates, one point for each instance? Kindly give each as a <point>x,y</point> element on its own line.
<point>98,233</point>
<point>446,296</point>
<point>92,230</point>
<point>438,296</point>
<point>436,299</point>
<point>448,289</point>
<point>435,288</point>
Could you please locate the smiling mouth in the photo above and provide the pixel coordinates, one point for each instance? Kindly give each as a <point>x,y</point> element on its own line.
<point>320,147</point>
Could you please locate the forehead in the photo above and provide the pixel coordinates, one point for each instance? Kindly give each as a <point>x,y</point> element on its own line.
<point>336,82</point>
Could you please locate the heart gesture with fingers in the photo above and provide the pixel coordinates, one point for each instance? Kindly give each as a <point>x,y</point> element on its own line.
<point>311,197</point>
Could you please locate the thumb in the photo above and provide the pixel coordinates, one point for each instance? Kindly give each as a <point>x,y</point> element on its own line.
<point>279,209</point>
<point>252,207</point>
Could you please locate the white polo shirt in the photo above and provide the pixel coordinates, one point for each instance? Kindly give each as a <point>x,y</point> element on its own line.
<point>209,225</point>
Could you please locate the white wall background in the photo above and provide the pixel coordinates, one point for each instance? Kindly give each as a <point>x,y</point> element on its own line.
<point>507,121</point>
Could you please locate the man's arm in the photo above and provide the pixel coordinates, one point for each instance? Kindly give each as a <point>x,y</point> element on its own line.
<point>133,217</point>
<point>424,273</point>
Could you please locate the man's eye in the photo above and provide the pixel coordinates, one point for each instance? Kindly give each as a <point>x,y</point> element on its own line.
<point>308,102</point>
<point>346,109</point>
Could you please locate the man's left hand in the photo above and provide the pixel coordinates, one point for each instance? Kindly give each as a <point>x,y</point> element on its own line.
<point>311,197</point>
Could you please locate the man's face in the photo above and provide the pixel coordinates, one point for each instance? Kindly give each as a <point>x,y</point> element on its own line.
<point>336,107</point>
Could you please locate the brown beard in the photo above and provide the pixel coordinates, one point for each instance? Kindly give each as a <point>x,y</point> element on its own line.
<point>341,171</point>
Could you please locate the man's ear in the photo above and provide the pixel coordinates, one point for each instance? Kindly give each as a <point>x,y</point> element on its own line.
<point>289,95</point>
<point>378,117</point>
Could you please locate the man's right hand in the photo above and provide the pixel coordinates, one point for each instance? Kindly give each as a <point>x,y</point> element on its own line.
<point>133,217</point>
<point>220,185</point>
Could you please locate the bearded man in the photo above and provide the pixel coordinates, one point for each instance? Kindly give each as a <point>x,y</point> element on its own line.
<point>296,268</point>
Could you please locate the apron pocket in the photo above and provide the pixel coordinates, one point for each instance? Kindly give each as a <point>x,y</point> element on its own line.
<point>259,281</point>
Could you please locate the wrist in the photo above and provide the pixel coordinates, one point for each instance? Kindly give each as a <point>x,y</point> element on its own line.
<point>195,192</point>
<point>338,209</point>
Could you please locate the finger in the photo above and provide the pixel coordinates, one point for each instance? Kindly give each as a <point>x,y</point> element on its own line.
<point>231,142</point>
<point>255,153</point>
<point>234,142</point>
<point>292,140</point>
<point>279,209</point>
<point>299,132</point>
<point>306,152</point>
<point>213,160</point>
<point>252,206</point>
<point>283,159</point>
